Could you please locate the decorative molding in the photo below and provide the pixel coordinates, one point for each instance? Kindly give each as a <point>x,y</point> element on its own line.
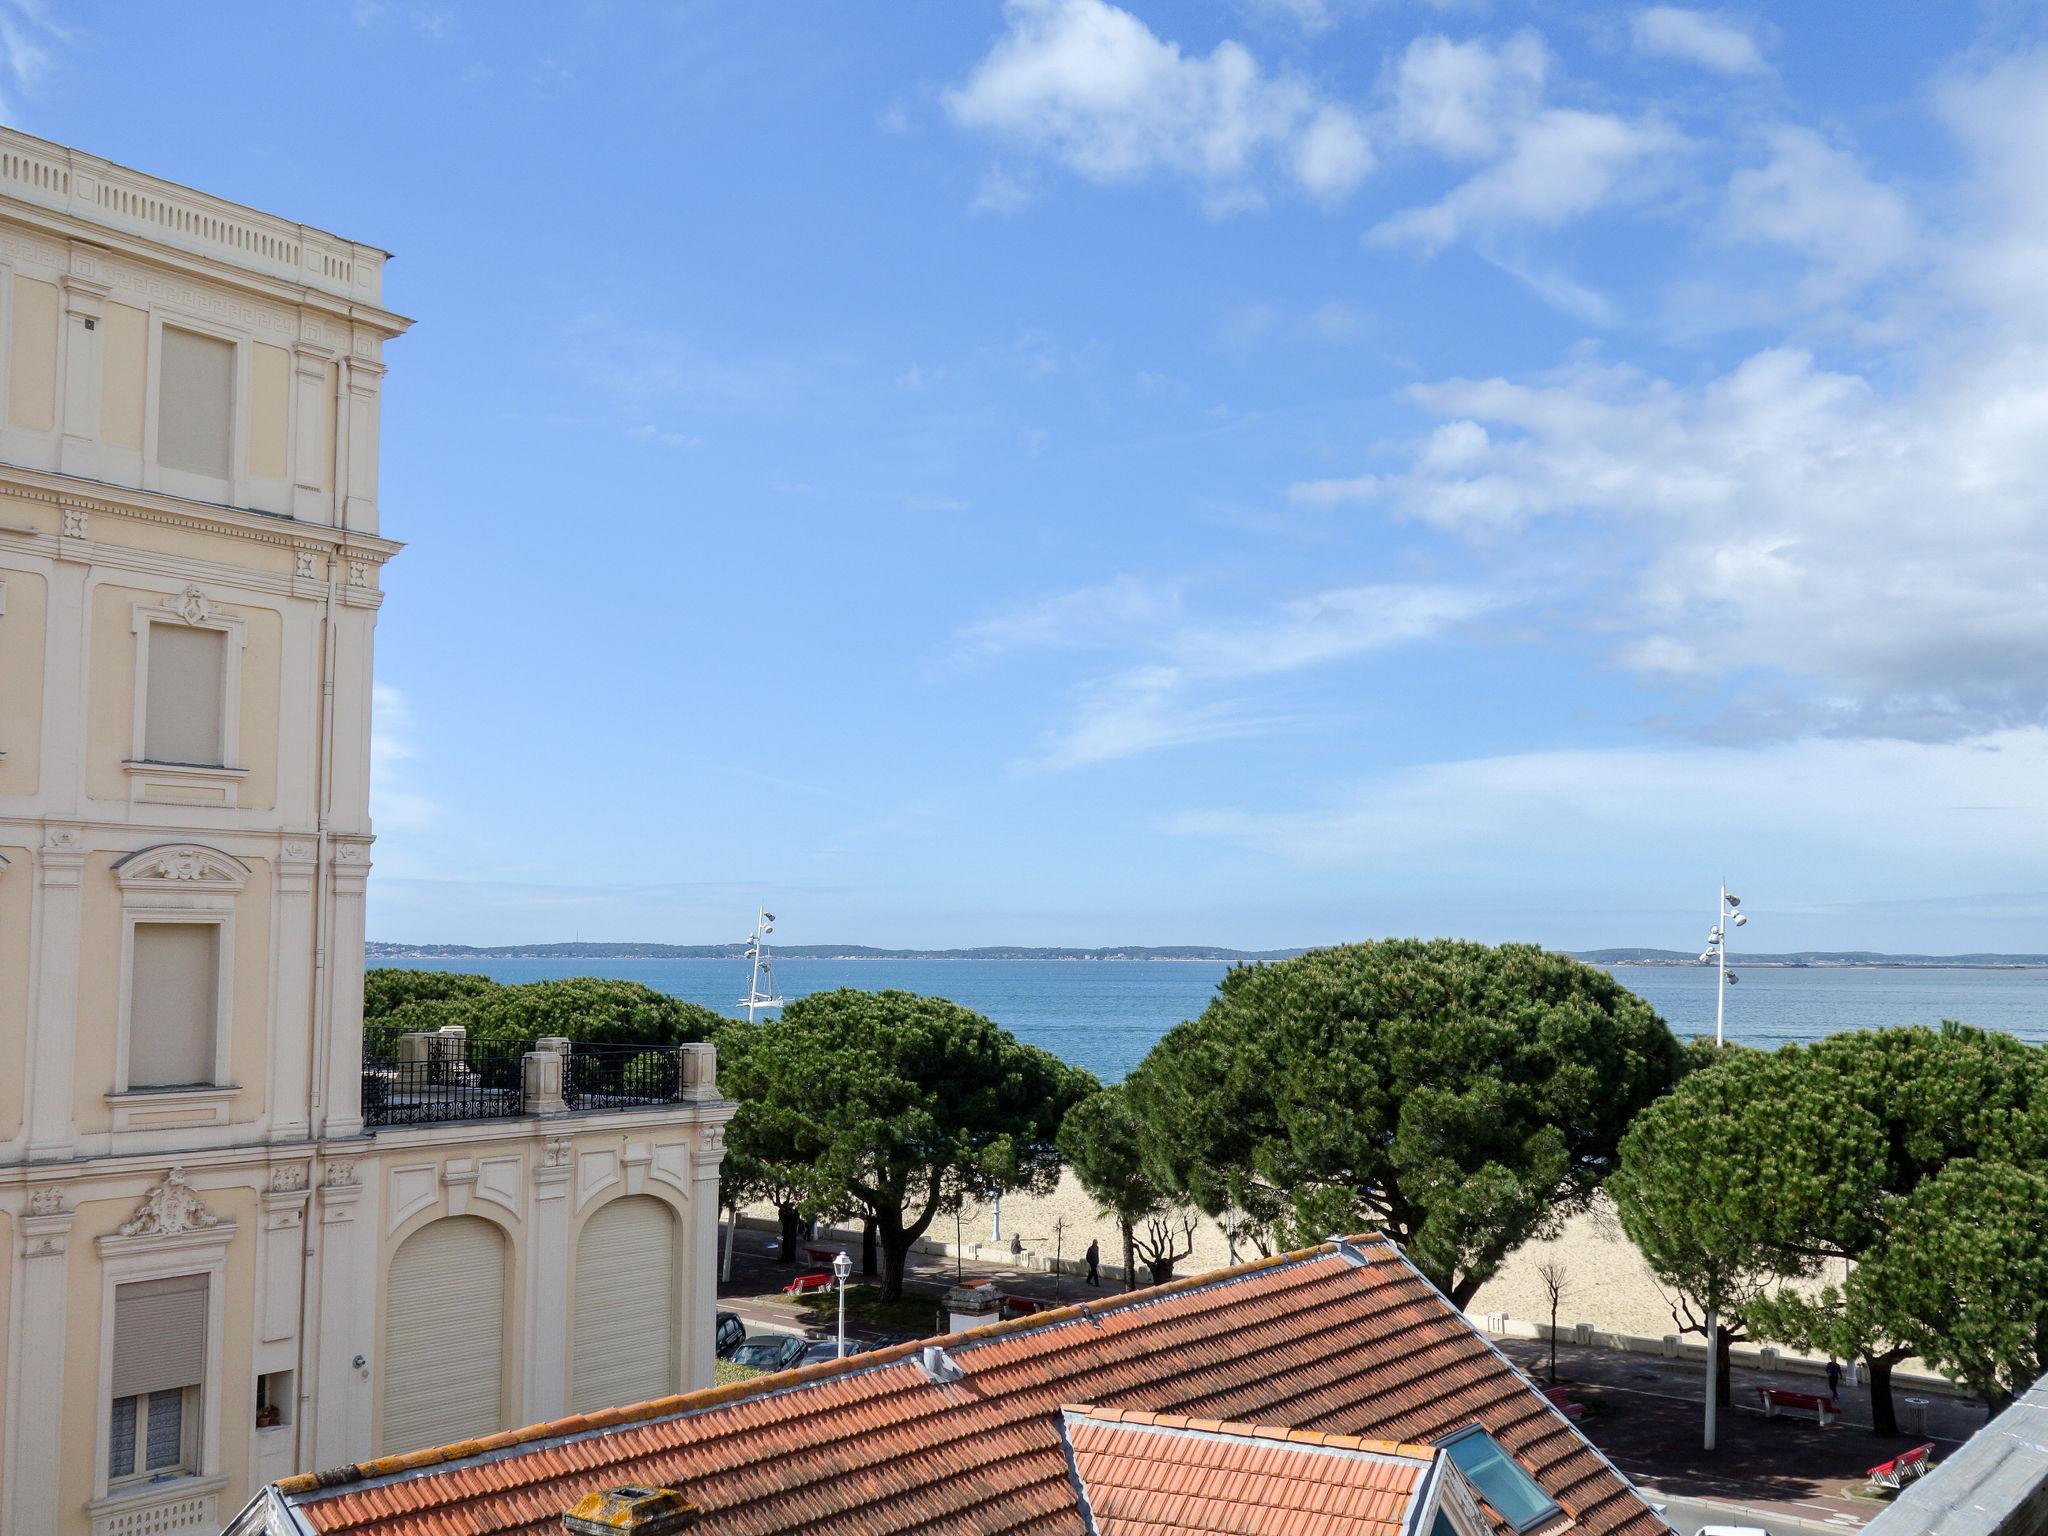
<point>351,852</point>
<point>46,1202</point>
<point>555,1152</point>
<point>191,605</point>
<point>171,1208</point>
<point>338,1172</point>
<point>63,840</point>
<point>75,523</point>
<point>181,864</point>
<point>288,1178</point>
<point>306,565</point>
<point>359,573</point>
<point>295,848</point>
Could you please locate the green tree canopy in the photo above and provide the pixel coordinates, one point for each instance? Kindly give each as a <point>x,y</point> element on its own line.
<point>1919,1102</point>
<point>1101,1141</point>
<point>1459,1097</point>
<point>898,1106</point>
<point>592,1009</point>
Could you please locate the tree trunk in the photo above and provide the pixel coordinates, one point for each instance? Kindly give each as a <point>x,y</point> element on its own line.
<point>1161,1268</point>
<point>896,1245</point>
<point>1130,1258</point>
<point>792,1233</point>
<point>867,1247</point>
<point>1553,1342</point>
<point>1884,1413</point>
<point>1462,1293</point>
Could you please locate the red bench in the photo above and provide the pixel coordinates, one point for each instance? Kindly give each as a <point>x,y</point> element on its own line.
<point>821,1255</point>
<point>1561,1399</point>
<point>1902,1469</point>
<point>1820,1405</point>
<point>1023,1306</point>
<point>819,1281</point>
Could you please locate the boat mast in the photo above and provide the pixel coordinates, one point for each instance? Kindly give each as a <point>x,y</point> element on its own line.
<point>761,987</point>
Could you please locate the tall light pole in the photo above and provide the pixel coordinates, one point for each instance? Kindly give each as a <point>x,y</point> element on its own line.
<point>842,1268</point>
<point>1726,912</point>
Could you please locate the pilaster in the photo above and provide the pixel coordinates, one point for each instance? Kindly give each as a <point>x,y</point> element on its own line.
<point>312,417</point>
<point>85,301</point>
<point>341,1318</point>
<point>365,384</point>
<point>53,1016</point>
<point>548,1260</point>
<point>699,1339</point>
<point>342,1097</point>
<point>288,1089</point>
<point>35,1448</point>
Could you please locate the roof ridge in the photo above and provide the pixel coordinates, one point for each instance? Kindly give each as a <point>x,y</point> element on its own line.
<point>334,1479</point>
<point>1243,1429</point>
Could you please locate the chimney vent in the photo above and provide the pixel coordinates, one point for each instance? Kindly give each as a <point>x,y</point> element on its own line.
<point>630,1510</point>
<point>937,1365</point>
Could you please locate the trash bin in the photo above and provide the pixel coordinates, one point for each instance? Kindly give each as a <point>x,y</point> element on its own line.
<point>1913,1415</point>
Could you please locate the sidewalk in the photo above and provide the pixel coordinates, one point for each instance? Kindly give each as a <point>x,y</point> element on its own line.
<point>1645,1413</point>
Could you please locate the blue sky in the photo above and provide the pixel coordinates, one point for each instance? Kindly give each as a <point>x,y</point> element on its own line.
<point>1257,473</point>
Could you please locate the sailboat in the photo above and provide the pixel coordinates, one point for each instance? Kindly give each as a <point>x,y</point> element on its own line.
<point>761,987</point>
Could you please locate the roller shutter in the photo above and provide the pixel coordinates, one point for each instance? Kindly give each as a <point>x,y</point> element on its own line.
<point>625,1306</point>
<point>444,1336</point>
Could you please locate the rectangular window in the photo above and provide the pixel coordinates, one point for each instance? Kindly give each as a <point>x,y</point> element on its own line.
<point>195,403</point>
<point>1499,1478</point>
<point>159,1370</point>
<point>173,1004</point>
<point>184,719</point>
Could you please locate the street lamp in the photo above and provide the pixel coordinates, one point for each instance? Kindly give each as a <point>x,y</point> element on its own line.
<point>1728,914</point>
<point>842,1268</point>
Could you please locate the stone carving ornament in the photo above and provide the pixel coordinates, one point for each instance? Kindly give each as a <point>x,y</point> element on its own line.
<point>46,1202</point>
<point>169,1209</point>
<point>190,605</point>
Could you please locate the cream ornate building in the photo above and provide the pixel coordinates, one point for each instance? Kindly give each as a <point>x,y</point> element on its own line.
<point>216,1272</point>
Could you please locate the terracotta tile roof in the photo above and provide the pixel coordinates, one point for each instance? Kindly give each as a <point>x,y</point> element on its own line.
<point>1146,1474</point>
<point>1346,1339</point>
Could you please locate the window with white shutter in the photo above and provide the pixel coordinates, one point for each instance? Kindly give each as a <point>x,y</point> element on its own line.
<point>159,1372</point>
<point>195,403</point>
<point>185,716</point>
<point>173,1004</point>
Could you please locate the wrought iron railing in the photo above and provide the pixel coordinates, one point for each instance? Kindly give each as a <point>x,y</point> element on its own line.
<point>453,1079</point>
<point>621,1076</point>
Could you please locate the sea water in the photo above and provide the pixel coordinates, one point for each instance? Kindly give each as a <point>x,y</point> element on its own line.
<point>1105,1014</point>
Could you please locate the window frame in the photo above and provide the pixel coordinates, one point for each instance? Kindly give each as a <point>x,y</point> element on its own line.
<point>1550,1505</point>
<point>208,896</point>
<point>163,1256</point>
<point>142,620</point>
<point>143,1475</point>
<point>185,482</point>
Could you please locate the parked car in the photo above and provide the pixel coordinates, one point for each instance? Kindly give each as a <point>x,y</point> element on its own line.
<point>1733,1530</point>
<point>732,1333</point>
<point>770,1351</point>
<point>826,1349</point>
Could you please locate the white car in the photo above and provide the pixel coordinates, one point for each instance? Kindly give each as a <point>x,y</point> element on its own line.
<point>1733,1530</point>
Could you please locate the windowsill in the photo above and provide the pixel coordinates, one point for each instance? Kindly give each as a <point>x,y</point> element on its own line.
<point>182,783</point>
<point>131,1497</point>
<point>199,1104</point>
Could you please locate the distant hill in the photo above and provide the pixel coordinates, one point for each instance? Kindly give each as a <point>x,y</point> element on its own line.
<point>381,950</point>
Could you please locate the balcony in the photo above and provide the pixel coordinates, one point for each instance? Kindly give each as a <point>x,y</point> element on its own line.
<point>442,1077</point>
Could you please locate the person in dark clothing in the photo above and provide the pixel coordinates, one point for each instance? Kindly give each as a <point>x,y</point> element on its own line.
<point>1094,1257</point>
<point>1834,1378</point>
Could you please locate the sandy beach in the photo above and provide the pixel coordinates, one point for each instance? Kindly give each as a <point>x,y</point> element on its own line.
<point>1606,1281</point>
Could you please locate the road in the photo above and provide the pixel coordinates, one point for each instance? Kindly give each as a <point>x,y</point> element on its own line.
<point>1688,1515</point>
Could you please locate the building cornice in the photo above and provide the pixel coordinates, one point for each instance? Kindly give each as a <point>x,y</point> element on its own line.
<point>91,498</point>
<point>99,199</point>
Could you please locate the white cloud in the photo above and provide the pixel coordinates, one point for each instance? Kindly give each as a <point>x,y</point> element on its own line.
<point>1819,201</point>
<point>1559,164</point>
<point>647,432</point>
<point>1856,550</point>
<point>1698,37</point>
<point>1856,811</point>
<point>1464,99</point>
<point>1090,86</point>
<point>394,803</point>
<point>1179,693</point>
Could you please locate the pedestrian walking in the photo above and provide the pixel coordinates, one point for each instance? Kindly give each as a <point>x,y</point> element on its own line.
<point>1094,1257</point>
<point>1834,1376</point>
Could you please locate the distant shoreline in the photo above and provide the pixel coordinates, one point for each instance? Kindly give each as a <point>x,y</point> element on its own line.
<point>1839,960</point>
